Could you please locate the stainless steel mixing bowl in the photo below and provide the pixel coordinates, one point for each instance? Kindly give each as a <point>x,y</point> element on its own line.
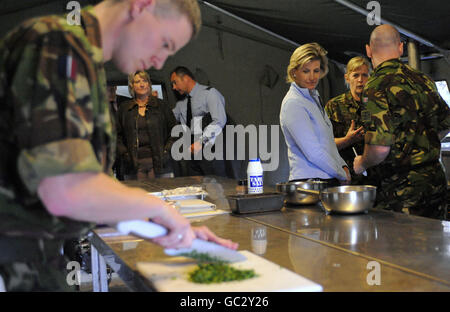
<point>345,199</point>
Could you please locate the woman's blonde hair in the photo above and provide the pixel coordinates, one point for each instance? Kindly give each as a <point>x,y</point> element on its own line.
<point>304,54</point>
<point>142,74</point>
<point>356,62</point>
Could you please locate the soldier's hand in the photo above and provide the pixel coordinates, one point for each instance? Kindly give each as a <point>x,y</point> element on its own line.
<point>354,135</point>
<point>180,233</point>
<point>204,233</point>
<point>358,165</point>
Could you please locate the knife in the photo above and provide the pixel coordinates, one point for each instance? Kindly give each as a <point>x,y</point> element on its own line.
<point>146,229</point>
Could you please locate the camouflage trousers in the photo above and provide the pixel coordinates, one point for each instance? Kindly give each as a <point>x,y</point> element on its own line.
<point>420,191</point>
<point>44,270</point>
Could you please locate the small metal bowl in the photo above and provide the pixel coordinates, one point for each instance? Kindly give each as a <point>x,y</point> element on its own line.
<point>297,198</point>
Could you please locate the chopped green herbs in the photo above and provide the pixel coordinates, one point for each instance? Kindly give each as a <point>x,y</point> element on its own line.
<point>207,273</point>
<point>201,257</point>
<point>213,270</point>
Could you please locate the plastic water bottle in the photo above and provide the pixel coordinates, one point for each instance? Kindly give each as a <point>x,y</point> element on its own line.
<point>255,176</point>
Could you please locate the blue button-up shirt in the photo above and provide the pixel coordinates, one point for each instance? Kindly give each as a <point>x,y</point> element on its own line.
<point>204,100</point>
<point>308,133</point>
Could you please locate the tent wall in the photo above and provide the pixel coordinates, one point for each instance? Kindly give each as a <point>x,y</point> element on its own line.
<point>234,57</point>
<point>247,65</point>
<point>437,69</point>
<point>229,55</point>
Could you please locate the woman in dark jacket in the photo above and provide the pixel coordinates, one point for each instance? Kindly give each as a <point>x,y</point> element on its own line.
<point>143,132</point>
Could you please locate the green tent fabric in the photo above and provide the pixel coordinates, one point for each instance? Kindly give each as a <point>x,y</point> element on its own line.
<point>341,30</point>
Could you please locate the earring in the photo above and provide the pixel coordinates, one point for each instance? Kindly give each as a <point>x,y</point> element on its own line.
<point>295,76</point>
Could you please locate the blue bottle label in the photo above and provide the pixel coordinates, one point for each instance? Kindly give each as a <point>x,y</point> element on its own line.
<point>256,181</point>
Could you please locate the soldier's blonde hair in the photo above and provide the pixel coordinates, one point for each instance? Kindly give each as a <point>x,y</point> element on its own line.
<point>142,74</point>
<point>189,8</point>
<point>356,62</point>
<point>305,54</point>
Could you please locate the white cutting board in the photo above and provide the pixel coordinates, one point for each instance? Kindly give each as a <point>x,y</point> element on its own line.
<point>172,276</point>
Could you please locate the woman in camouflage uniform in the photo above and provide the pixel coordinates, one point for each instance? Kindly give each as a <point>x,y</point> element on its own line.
<point>344,112</point>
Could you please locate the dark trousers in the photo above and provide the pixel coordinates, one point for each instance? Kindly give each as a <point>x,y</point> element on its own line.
<point>28,264</point>
<point>144,171</point>
<point>200,167</point>
<point>186,168</point>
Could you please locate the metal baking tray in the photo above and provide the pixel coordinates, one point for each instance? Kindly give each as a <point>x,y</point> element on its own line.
<point>251,203</point>
<point>199,195</point>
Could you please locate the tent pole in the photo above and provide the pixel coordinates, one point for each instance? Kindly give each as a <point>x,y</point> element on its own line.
<point>399,28</point>
<point>249,23</point>
<point>413,55</point>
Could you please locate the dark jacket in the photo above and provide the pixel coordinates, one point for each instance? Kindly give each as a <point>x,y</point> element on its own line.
<point>160,121</point>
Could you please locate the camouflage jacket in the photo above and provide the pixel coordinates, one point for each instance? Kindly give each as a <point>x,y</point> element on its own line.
<point>402,108</point>
<point>54,118</point>
<point>341,110</point>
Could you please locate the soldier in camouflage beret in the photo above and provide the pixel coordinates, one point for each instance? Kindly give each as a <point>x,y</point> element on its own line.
<point>57,140</point>
<point>405,119</point>
<point>344,113</point>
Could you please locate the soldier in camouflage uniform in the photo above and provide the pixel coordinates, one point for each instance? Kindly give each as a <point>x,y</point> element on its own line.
<point>56,135</point>
<point>344,113</point>
<point>405,118</point>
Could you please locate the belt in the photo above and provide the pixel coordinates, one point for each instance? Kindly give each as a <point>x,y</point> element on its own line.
<point>17,249</point>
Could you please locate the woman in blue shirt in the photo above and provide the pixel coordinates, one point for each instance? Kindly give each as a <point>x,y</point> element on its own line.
<point>307,130</point>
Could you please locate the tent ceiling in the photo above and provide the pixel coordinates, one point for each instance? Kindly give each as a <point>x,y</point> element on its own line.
<point>341,30</point>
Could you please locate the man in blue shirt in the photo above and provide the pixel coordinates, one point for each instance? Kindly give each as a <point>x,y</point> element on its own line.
<point>203,107</point>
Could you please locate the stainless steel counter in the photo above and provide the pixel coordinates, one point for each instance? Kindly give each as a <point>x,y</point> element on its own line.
<point>413,253</point>
<point>412,243</point>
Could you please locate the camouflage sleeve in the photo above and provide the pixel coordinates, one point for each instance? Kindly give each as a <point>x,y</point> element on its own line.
<point>54,109</point>
<point>445,116</point>
<point>442,111</point>
<point>375,115</point>
<point>331,108</point>
<point>56,158</point>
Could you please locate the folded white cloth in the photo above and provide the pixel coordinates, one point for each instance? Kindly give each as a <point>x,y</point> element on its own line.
<point>193,205</point>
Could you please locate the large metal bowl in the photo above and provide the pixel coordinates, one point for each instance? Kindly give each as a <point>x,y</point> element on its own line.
<point>345,199</point>
<point>297,198</point>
